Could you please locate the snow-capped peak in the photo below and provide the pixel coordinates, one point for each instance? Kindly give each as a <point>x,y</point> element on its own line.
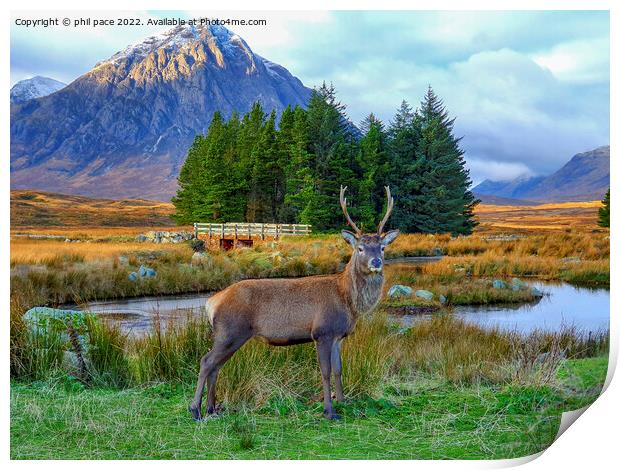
<point>35,87</point>
<point>174,39</point>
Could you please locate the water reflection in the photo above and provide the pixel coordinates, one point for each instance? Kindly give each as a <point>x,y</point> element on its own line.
<point>563,305</point>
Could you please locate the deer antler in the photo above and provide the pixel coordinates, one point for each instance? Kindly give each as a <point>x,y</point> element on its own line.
<point>388,211</point>
<point>343,204</point>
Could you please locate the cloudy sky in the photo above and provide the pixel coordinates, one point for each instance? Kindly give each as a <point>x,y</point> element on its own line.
<point>528,89</point>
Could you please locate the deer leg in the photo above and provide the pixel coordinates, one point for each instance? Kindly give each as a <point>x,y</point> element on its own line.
<point>210,366</point>
<point>324,351</point>
<point>337,369</point>
<point>196,405</point>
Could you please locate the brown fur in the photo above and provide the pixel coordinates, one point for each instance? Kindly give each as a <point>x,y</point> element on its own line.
<point>281,312</point>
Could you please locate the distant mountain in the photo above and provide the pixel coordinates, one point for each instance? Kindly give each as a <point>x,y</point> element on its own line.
<point>35,87</point>
<point>123,129</point>
<point>513,189</point>
<point>584,178</point>
<point>503,201</point>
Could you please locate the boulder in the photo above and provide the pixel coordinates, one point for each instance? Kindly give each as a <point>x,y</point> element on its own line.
<point>133,276</point>
<point>442,299</point>
<point>499,284</point>
<point>424,294</point>
<point>42,319</point>
<point>141,238</point>
<point>536,292</point>
<point>147,272</point>
<point>437,251</point>
<point>517,284</point>
<point>398,290</point>
<point>123,260</point>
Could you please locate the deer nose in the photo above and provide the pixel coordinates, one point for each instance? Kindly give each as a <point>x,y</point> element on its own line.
<point>376,263</point>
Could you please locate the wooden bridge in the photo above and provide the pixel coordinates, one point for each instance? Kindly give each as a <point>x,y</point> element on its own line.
<point>231,234</point>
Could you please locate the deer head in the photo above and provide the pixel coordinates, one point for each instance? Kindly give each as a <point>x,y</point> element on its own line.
<point>368,249</point>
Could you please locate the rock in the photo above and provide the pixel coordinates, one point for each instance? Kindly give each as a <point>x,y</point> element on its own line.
<point>499,284</point>
<point>67,240</point>
<point>37,314</point>
<point>123,260</point>
<point>147,272</point>
<point>424,294</point>
<point>45,319</point>
<point>571,259</point>
<point>517,284</point>
<point>133,276</point>
<point>437,251</point>
<point>536,292</point>
<point>398,290</point>
<point>165,237</point>
<point>442,299</point>
<point>71,362</point>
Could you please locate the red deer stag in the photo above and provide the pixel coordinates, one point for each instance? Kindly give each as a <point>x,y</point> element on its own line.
<point>282,312</point>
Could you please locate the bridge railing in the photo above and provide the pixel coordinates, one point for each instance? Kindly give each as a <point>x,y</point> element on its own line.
<point>236,230</point>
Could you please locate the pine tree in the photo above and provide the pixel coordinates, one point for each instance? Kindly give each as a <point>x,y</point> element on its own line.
<point>373,164</point>
<point>300,171</point>
<point>185,201</point>
<point>251,169</point>
<point>248,138</point>
<point>403,137</point>
<point>267,177</point>
<point>212,190</point>
<point>332,160</point>
<point>603,212</point>
<point>440,196</point>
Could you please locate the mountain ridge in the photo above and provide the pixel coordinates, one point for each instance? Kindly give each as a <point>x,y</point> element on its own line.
<point>35,87</point>
<point>585,177</point>
<point>123,128</point>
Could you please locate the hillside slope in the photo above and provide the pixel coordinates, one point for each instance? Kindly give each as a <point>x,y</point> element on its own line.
<point>41,209</point>
<point>586,177</point>
<point>123,128</point>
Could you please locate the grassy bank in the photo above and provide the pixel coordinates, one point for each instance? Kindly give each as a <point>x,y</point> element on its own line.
<point>443,389</point>
<point>424,418</point>
<point>48,272</point>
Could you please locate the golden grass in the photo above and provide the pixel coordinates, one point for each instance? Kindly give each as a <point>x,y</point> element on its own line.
<point>43,209</point>
<point>581,216</point>
<point>28,251</point>
<point>92,233</point>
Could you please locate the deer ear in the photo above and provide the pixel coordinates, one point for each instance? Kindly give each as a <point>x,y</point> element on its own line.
<point>389,237</point>
<point>349,237</point>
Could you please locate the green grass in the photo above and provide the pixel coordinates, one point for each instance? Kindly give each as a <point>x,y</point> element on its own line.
<point>424,417</point>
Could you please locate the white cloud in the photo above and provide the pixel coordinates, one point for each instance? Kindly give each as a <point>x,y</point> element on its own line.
<point>497,171</point>
<point>579,61</point>
<point>528,89</point>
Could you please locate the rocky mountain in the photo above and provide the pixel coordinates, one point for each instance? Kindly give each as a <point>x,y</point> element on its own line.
<point>584,178</point>
<point>509,189</point>
<point>35,87</point>
<point>123,128</point>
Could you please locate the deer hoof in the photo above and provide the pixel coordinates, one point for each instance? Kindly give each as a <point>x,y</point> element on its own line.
<point>195,412</point>
<point>332,416</point>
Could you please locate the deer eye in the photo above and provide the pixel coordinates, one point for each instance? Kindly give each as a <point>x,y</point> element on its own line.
<point>382,248</point>
<point>360,249</point>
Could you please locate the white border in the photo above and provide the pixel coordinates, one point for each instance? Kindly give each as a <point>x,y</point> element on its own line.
<point>589,443</point>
